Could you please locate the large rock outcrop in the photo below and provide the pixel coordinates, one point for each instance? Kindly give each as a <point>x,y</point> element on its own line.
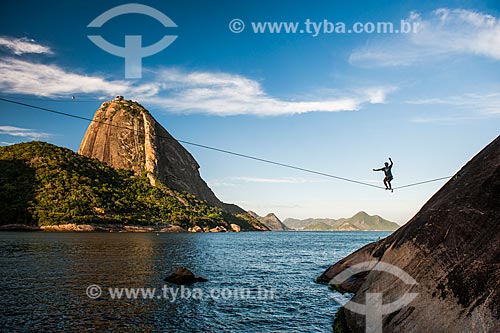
<point>126,136</point>
<point>451,247</point>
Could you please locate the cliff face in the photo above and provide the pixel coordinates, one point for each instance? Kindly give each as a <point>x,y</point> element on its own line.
<point>451,247</point>
<point>148,148</point>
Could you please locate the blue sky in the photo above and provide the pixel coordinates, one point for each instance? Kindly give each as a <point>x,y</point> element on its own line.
<point>335,103</point>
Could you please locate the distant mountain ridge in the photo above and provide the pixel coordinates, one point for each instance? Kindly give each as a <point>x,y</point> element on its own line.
<point>271,221</point>
<point>360,221</point>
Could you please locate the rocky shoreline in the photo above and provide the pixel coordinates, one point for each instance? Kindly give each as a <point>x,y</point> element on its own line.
<point>72,227</point>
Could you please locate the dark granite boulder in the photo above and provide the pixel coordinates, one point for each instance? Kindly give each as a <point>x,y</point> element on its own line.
<point>183,276</point>
<point>451,248</point>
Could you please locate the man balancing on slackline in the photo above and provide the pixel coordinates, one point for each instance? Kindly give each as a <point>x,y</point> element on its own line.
<point>388,174</point>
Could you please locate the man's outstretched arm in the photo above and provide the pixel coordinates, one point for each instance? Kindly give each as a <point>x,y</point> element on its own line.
<point>377,169</point>
<point>390,161</point>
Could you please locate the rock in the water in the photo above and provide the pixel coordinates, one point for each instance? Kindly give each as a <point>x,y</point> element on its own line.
<point>183,276</point>
<point>451,247</point>
<point>235,227</point>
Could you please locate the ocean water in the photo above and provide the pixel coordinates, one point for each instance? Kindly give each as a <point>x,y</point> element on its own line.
<point>258,282</point>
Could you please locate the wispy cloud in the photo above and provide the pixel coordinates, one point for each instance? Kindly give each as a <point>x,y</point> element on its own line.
<point>23,132</point>
<point>482,104</point>
<point>235,181</point>
<point>181,91</point>
<point>441,33</point>
<point>284,180</point>
<point>449,119</point>
<point>20,46</point>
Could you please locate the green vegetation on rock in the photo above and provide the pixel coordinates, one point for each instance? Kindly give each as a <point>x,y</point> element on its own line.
<point>43,184</point>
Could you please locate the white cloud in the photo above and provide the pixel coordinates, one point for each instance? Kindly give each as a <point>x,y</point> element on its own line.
<point>20,46</point>
<point>230,94</point>
<point>23,77</point>
<point>442,33</point>
<point>180,91</point>
<point>23,132</point>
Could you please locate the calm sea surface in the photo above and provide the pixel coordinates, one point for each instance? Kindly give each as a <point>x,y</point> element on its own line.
<point>258,282</point>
